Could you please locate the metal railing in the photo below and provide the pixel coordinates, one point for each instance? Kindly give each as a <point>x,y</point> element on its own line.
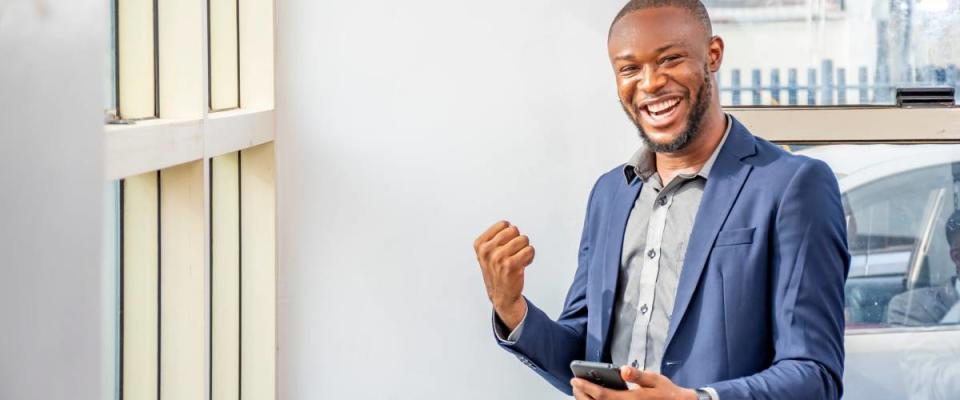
<point>827,85</point>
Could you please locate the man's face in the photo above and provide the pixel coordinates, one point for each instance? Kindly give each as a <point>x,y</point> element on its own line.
<point>663,59</point>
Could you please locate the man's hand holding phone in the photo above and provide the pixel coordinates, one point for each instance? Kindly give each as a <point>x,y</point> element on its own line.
<point>647,386</point>
<point>503,254</point>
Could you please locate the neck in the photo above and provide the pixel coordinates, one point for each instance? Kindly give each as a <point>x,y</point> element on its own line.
<point>690,159</point>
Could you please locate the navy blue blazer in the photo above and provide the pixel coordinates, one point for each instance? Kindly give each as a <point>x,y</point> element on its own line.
<point>759,305</point>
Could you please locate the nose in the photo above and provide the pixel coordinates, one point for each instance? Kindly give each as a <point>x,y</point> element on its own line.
<point>651,80</point>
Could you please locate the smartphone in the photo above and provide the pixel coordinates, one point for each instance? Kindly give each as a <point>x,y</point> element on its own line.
<point>603,374</point>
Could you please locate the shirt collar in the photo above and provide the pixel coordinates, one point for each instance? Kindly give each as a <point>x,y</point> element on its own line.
<point>643,162</point>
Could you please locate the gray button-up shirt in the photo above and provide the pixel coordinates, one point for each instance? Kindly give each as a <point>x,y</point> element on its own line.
<point>654,245</point>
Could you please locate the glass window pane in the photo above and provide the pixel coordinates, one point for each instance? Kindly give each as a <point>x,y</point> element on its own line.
<point>110,105</point>
<point>833,52</point>
<point>111,289</point>
<point>224,55</point>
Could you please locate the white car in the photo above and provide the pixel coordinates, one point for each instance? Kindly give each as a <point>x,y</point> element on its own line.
<point>897,200</point>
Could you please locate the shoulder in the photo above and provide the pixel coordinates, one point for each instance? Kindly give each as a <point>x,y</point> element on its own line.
<point>914,297</point>
<point>919,306</point>
<point>781,176</point>
<point>776,160</point>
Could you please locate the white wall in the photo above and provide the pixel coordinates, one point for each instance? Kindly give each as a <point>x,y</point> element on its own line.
<point>404,130</point>
<point>51,198</point>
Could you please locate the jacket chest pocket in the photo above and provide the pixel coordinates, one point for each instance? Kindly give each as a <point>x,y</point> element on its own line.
<point>732,237</point>
<point>741,265</point>
<point>733,251</point>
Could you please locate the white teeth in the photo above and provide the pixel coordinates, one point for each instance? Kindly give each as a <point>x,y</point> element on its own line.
<point>663,105</point>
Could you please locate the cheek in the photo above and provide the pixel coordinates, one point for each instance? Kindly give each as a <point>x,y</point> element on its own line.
<point>625,89</point>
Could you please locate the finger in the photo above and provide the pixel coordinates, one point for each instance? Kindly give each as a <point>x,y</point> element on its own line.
<point>628,374</point>
<point>579,394</point>
<point>505,235</point>
<point>643,378</point>
<point>592,390</point>
<point>489,233</point>
<point>488,249</point>
<point>514,245</point>
<point>523,258</point>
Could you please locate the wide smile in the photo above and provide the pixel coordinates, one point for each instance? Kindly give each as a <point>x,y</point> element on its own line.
<point>661,113</point>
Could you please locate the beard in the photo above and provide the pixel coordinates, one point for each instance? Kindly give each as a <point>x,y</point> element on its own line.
<point>694,120</point>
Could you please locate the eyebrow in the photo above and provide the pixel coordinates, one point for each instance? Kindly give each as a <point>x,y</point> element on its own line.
<point>659,50</point>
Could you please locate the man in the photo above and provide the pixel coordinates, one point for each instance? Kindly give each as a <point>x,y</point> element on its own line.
<point>932,305</point>
<point>713,261</point>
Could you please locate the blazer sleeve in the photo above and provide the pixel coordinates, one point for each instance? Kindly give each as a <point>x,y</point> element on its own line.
<point>548,346</point>
<point>810,262</point>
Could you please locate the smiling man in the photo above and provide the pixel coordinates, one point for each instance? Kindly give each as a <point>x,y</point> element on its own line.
<point>711,264</point>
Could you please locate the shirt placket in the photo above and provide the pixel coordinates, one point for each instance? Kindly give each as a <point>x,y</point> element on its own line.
<point>648,278</point>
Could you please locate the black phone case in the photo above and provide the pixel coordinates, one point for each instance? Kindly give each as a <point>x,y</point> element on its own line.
<point>603,374</point>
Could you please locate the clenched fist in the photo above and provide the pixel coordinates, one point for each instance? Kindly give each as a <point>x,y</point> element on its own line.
<point>503,254</point>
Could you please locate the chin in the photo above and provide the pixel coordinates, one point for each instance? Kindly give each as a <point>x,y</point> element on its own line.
<point>662,136</point>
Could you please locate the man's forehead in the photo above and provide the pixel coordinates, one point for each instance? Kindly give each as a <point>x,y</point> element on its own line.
<point>656,22</point>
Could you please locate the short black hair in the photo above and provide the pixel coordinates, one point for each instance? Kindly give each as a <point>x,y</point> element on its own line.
<point>953,228</point>
<point>694,7</point>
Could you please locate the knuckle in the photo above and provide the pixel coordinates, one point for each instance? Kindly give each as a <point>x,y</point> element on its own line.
<point>497,256</point>
<point>483,251</point>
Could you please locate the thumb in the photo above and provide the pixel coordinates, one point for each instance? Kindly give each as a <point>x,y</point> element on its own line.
<point>629,374</point>
<point>644,379</point>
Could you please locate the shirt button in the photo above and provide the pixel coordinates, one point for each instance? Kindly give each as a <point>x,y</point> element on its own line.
<point>643,309</point>
<point>662,201</point>
<point>652,253</point>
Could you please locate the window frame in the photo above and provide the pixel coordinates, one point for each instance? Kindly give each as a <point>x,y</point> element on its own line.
<point>184,130</point>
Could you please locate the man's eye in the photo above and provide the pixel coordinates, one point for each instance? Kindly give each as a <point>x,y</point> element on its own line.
<point>668,59</point>
<point>628,70</point>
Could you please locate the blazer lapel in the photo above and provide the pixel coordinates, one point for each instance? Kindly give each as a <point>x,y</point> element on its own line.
<point>622,205</point>
<point>723,186</point>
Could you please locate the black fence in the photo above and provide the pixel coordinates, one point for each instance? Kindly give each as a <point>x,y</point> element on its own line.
<point>827,86</point>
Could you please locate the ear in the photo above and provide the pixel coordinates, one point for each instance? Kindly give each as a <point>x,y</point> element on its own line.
<point>715,53</point>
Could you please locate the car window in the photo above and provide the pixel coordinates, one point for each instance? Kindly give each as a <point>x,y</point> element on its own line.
<point>898,201</point>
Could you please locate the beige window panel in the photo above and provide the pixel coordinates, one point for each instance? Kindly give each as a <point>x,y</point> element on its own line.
<point>258,271</point>
<point>136,59</point>
<point>140,323</point>
<point>256,40</point>
<point>225,276</point>
<point>224,55</point>
<point>183,323</point>
<point>182,59</point>
<point>849,124</point>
